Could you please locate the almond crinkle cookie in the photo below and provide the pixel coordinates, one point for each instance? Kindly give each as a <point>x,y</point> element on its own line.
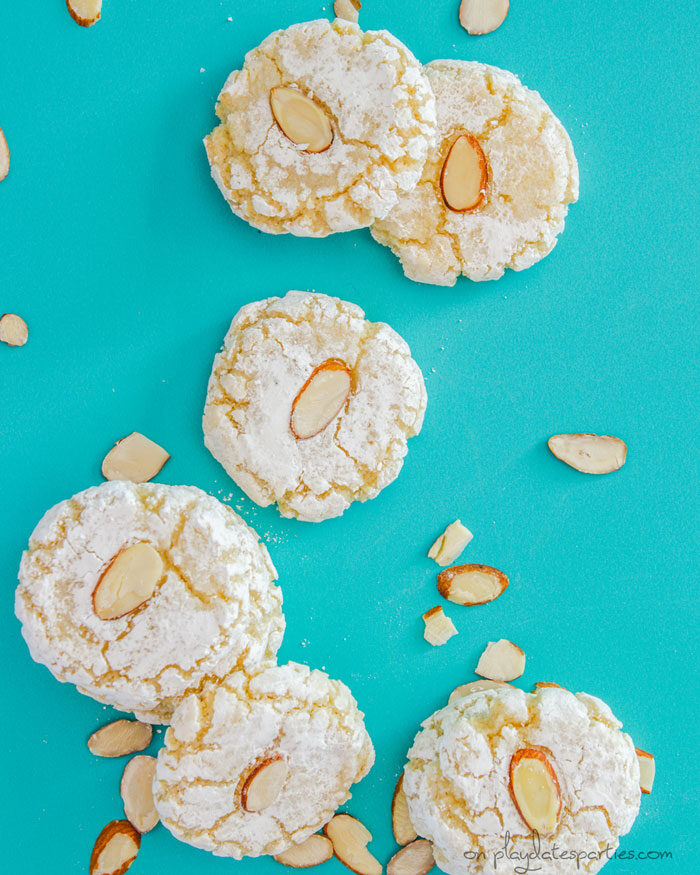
<point>496,186</point>
<point>494,766</point>
<point>254,765</point>
<point>322,129</point>
<point>310,405</point>
<point>138,593</point>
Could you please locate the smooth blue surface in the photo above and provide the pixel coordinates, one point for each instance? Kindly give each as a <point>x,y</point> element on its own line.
<point>119,252</point>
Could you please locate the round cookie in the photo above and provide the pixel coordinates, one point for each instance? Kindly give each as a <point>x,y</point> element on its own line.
<point>375,103</point>
<point>272,349</point>
<point>530,175</point>
<point>214,608</point>
<point>457,780</point>
<point>304,725</point>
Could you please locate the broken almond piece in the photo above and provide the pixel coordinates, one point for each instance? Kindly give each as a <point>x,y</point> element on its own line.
<point>647,770</point>
<point>464,175</point>
<point>320,399</point>
<point>540,684</point>
<point>415,859</point>
<point>115,849</point>
<point>136,790</point>
<point>400,817</point>
<point>534,788</point>
<point>264,784</point>
<point>13,330</point>
<point>128,581</point>
<point>301,119</point>
<point>471,584</point>
<point>311,852</point>
<point>589,453</point>
<point>349,10</point>
<point>120,738</point>
<point>85,12</point>
<point>135,458</point>
<point>478,17</point>
<point>350,839</point>
<point>4,156</point>
<point>501,661</point>
<point>474,687</point>
<point>438,627</point>
<point>450,544</point>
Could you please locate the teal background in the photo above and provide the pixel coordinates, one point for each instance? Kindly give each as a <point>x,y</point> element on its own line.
<point>119,252</point>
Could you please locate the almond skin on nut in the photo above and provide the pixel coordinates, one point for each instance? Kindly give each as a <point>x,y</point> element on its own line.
<point>350,839</point>
<point>136,790</point>
<point>301,119</point>
<point>501,661</point>
<point>478,17</point>
<point>313,851</point>
<point>589,453</point>
<point>465,175</point>
<point>135,458</point>
<point>320,399</point>
<point>471,584</point>
<point>414,859</point>
<point>120,738</point>
<point>85,12</point>
<point>534,788</point>
<point>400,817</point>
<point>4,156</point>
<point>264,784</point>
<point>115,849</point>
<point>13,330</point>
<point>128,581</point>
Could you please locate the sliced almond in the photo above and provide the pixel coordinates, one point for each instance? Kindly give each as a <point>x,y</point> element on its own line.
<point>438,627</point>
<point>120,738</point>
<point>115,849</point>
<point>501,661</point>
<point>589,453</point>
<point>13,329</point>
<point>347,9</point>
<point>128,581</point>
<point>478,17</point>
<point>4,156</point>
<point>474,687</point>
<point>350,839</point>
<point>137,793</point>
<point>465,175</point>
<point>534,788</point>
<point>85,12</point>
<point>471,584</point>
<point>450,543</point>
<point>311,852</point>
<point>264,784</point>
<point>543,684</point>
<point>135,458</point>
<point>647,770</point>
<point>320,399</point>
<point>301,119</point>
<point>400,817</point>
<point>415,859</point>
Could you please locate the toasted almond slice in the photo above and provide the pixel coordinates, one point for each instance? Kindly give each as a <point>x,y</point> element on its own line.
<point>347,9</point>
<point>120,738</point>
<point>465,175</point>
<point>474,687</point>
<point>415,859</point>
<point>501,661</point>
<point>128,581</point>
<point>85,12</point>
<point>137,793</point>
<point>135,458</point>
<point>543,684</point>
<point>264,784</point>
<point>647,770</point>
<point>478,17</point>
<point>534,788</point>
<point>115,849</point>
<point>320,399</point>
<point>589,453</point>
<point>450,543</point>
<point>438,627</point>
<point>471,584</point>
<point>4,156</point>
<point>311,852</point>
<point>13,330</point>
<point>400,817</point>
<point>301,119</point>
<point>350,839</point>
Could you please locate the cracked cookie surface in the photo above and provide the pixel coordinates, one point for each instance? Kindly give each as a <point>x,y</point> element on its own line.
<point>271,349</point>
<point>381,109</point>
<point>532,178</point>
<point>219,737</point>
<point>457,779</point>
<point>216,607</point>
